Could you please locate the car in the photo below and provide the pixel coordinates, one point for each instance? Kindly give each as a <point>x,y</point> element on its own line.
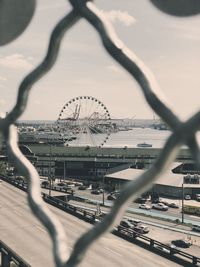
<point>160,206</point>
<point>45,183</point>
<point>61,184</point>
<point>142,229</point>
<point>95,192</point>
<point>144,206</point>
<point>181,243</point>
<point>196,228</point>
<point>198,197</point>
<point>134,222</point>
<point>127,224</point>
<point>69,185</point>
<point>140,200</point>
<point>111,197</point>
<point>78,183</point>
<point>164,202</point>
<point>82,187</point>
<point>173,205</point>
<point>187,197</point>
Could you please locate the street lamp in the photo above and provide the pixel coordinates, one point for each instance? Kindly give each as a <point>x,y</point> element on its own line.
<point>182,202</point>
<point>103,200</point>
<point>50,176</point>
<point>64,171</point>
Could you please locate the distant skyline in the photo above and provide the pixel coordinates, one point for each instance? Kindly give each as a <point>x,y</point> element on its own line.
<point>169,46</point>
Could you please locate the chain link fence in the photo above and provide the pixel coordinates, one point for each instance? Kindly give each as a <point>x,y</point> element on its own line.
<point>182,132</point>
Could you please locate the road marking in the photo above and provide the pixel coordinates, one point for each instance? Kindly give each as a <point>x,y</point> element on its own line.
<point>113,251</point>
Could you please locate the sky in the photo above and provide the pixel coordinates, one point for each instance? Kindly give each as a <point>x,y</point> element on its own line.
<point>169,46</point>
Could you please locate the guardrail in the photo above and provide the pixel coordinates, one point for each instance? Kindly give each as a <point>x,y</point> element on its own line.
<point>76,211</point>
<point>131,235</point>
<point>8,256</point>
<point>20,185</point>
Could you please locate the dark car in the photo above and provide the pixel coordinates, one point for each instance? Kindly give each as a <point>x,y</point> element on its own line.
<point>140,200</point>
<point>45,183</point>
<point>61,184</point>
<point>181,243</point>
<point>127,224</point>
<point>111,197</point>
<point>82,187</point>
<point>196,228</point>
<point>95,192</point>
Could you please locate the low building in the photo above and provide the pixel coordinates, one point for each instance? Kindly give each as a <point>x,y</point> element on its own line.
<point>168,184</point>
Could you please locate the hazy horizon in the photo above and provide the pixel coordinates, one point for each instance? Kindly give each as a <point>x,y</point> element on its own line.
<point>169,46</point>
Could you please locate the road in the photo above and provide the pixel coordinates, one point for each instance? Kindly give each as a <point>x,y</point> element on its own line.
<point>23,233</point>
<point>171,213</point>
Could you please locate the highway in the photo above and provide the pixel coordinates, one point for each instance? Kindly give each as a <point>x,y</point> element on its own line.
<point>21,231</point>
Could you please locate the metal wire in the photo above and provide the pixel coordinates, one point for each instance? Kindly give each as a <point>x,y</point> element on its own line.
<point>182,132</point>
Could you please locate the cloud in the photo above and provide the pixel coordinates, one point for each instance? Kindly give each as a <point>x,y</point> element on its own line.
<point>16,61</point>
<point>120,16</point>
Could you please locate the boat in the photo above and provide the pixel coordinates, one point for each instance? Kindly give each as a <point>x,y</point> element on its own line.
<point>144,145</point>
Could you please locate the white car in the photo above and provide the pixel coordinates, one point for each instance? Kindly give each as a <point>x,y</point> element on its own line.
<point>160,206</point>
<point>144,206</point>
<point>187,197</point>
<point>196,228</point>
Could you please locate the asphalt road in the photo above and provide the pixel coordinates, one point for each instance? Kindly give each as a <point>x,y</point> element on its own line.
<point>23,233</point>
<point>175,213</point>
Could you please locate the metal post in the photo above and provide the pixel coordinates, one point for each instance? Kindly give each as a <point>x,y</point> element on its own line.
<point>50,178</point>
<point>64,172</point>
<point>182,203</point>
<point>103,191</point>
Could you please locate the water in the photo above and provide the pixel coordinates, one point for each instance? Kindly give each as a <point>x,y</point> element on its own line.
<point>135,136</point>
<point>129,138</point>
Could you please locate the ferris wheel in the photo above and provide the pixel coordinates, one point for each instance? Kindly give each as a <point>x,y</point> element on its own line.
<point>84,121</point>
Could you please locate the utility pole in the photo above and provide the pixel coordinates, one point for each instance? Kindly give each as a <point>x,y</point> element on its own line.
<point>182,202</point>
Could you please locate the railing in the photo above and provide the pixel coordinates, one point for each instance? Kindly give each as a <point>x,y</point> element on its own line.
<point>131,235</point>
<point>182,132</point>
<point>8,256</point>
<point>76,211</point>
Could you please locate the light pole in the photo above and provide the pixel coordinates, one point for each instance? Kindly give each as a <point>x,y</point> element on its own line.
<point>182,202</point>
<point>50,178</point>
<point>103,200</point>
<point>64,172</point>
